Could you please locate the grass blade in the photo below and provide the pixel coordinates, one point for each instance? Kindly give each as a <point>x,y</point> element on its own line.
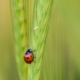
<point>20,30</point>
<point>39,32</point>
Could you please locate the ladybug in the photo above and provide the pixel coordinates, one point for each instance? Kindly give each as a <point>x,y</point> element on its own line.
<point>28,56</point>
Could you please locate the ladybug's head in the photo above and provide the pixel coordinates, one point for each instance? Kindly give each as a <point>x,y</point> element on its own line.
<point>29,50</point>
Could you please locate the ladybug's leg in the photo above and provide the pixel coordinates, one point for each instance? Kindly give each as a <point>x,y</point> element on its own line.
<point>34,59</point>
<point>34,56</point>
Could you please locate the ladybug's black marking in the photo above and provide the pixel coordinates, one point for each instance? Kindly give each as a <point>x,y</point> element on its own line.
<point>27,57</point>
<point>29,61</point>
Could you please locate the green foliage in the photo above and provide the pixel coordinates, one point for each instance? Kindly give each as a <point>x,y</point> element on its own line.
<point>39,30</point>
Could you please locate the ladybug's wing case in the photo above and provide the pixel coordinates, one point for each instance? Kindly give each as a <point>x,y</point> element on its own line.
<point>29,57</point>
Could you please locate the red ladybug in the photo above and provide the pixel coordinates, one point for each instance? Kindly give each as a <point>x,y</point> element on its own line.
<point>28,56</point>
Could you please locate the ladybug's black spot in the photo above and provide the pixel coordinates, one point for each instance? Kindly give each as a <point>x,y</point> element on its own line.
<point>27,57</point>
<point>30,61</point>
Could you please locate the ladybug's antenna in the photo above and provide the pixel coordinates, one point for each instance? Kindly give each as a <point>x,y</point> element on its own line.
<point>34,50</point>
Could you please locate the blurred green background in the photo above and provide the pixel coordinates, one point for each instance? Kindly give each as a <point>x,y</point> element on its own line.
<point>61,59</point>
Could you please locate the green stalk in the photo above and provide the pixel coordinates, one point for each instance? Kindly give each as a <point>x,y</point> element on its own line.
<point>21,35</point>
<point>40,27</point>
